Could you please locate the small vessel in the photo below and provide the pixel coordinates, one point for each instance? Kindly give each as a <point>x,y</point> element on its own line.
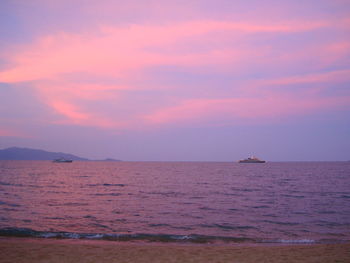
<point>252,160</point>
<point>62,160</point>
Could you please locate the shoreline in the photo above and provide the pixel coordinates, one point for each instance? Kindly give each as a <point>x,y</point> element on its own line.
<point>75,250</point>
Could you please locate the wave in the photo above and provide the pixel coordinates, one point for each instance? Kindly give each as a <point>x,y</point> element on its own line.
<point>120,185</point>
<point>27,232</point>
<point>193,238</point>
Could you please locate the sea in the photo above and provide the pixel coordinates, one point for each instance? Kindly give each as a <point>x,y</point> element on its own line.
<point>185,202</point>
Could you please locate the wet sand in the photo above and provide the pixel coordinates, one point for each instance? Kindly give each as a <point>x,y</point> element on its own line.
<point>52,250</point>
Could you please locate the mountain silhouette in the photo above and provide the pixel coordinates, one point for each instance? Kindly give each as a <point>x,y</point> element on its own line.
<point>16,153</point>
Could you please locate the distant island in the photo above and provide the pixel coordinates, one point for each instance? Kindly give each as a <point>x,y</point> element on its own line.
<point>16,153</point>
<point>109,160</point>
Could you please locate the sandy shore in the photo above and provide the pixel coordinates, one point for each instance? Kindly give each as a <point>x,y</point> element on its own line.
<point>50,250</point>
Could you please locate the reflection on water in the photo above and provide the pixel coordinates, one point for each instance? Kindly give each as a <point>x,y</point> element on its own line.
<point>265,202</point>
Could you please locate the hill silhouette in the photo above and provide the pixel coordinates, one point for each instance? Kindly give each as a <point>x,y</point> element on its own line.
<point>16,153</point>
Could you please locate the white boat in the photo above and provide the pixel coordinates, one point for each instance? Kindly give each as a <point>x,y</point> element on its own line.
<point>62,160</point>
<point>252,160</point>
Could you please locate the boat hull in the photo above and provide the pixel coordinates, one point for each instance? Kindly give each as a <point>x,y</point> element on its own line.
<point>251,161</point>
<point>62,161</point>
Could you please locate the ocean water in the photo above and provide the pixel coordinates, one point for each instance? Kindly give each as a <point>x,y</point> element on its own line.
<point>292,202</point>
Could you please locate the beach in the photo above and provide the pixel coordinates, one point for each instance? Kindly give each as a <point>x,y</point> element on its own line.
<point>55,250</point>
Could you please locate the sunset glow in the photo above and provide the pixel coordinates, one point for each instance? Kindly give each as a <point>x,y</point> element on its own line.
<point>126,75</point>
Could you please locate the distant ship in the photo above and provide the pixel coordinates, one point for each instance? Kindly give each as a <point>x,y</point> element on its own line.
<point>62,160</point>
<point>252,160</point>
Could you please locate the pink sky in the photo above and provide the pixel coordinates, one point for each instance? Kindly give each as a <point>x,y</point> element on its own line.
<point>145,68</point>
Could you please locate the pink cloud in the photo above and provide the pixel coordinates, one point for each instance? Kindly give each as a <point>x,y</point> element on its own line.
<point>234,109</point>
<point>323,79</point>
<point>9,132</point>
<point>69,111</point>
<point>123,52</point>
<point>315,56</point>
<point>69,90</point>
<point>115,50</point>
<point>74,115</point>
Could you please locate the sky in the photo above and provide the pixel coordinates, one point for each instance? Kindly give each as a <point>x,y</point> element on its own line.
<point>209,80</point>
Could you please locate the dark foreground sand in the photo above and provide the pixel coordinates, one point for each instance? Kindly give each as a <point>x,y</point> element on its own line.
<point>44,250</point>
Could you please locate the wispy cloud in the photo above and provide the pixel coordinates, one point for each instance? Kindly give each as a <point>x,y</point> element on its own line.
<point>234,110</point>
<point>120,53</point>
<point>114,50</point>
<point>10,132</point>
